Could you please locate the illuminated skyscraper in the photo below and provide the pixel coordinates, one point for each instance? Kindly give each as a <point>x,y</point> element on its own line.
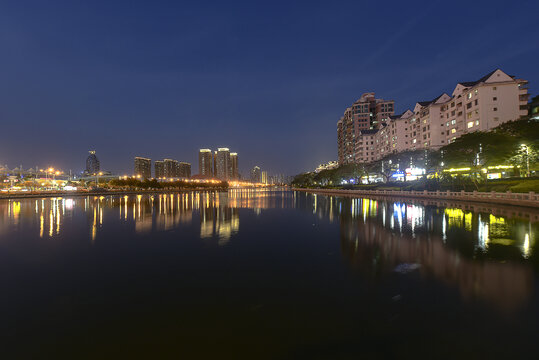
<point>264,177</point>
<point>205,163</point>
<point>159,169</point>
<point>234,173</point>
<point>222,163</point>
<point>92,163</point>
<point>184,170</point>
<point>143,167</point>
<point>256,174</point>
<point>171,168</point>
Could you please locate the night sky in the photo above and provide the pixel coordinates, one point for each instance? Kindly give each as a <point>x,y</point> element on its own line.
<point>266,79</point>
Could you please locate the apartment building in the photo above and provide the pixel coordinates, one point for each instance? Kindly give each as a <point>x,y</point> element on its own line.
<point>366,113</point>
<point>479,105</point>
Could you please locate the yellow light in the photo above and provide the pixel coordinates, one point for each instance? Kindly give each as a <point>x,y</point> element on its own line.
<point>458,169</point>
<point>501,167</point>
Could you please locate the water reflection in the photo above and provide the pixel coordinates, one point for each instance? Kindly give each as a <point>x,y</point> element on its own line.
<point>218,212</point>
<point>487,253</point>
<point>484,256</point>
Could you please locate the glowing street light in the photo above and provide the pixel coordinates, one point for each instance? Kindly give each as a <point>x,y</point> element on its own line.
<point>524,146</point>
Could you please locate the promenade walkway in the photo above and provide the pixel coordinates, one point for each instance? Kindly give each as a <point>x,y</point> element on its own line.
<point>530,199</point>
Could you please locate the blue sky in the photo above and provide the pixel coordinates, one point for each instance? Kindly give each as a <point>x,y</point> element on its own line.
<point>266,79</point>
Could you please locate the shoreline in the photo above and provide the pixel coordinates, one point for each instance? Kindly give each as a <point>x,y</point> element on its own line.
<point>17,196</point>
<point>528,200</point>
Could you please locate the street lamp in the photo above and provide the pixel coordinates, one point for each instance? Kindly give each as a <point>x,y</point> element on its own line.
<point>97,178</point>
<point>524,146</point>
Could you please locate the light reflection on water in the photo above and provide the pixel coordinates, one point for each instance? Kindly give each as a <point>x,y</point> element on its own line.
<point>219,212</point>
<point>262,268</point>
<point>484,253</point>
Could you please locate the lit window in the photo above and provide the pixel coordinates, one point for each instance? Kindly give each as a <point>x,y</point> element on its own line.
<point>453,122</point>
<point>453,131</point>
<point>476,122</point>
<point>469,95</point>
<point>470,124</point>
<point>414,141</point>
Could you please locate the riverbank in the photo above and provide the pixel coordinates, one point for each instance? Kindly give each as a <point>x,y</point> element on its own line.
<point>33,195</point>
<point>530,199</point>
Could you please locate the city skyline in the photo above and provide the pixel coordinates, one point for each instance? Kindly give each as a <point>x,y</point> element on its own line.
<point>149,87</point>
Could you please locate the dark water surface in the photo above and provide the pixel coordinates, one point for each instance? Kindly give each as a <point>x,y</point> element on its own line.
<point>266,275</point>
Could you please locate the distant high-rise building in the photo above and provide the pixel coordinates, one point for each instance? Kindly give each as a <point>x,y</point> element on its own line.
<point>264,177</point>
<point>205,163</point>
<point>214,160</point>
<point>184,170</point>
<point>143,167</point>
<point>256,174</point>
<point>159,169</point>
<point>92,163</point>
<point>234,173</point>
<point>171,168</point>
<point>222,163</point>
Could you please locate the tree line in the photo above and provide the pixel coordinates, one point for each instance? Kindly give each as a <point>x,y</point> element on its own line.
<point>513,143</point>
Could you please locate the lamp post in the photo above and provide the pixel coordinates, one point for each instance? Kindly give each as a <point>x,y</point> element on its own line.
<point>97,174</point>
<point>524,146</point>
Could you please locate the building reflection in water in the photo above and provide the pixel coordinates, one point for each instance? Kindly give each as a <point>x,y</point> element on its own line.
<point>483,252</point>
<point>218,211</point>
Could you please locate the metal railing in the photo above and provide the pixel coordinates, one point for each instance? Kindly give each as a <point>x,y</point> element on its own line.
<point>525,199</point>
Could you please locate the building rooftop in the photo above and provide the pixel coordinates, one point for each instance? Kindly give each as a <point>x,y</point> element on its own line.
<point>483,79</point>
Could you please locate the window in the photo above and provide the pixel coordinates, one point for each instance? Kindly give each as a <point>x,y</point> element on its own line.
<point>496,118</point>
<point>495,109</point>
<point>414,141</point>
<point>453,131</point>
<point>494,98</point>
<point>468,105</point>
<point>453,104</point>
<point>469,115</point>
<point>453,122</point>
<point>470,124</point>
<point>476,102</point>
<point>494,88</point>
<point>476,122</point>
<point>469,95</point>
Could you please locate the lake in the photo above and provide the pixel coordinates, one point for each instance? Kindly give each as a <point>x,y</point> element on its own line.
<point>266,275</point>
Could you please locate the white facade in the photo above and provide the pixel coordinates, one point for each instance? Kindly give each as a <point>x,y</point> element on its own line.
<point>479,105</point>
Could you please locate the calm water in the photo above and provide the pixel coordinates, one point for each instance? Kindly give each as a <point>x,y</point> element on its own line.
<point>256,274</point>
